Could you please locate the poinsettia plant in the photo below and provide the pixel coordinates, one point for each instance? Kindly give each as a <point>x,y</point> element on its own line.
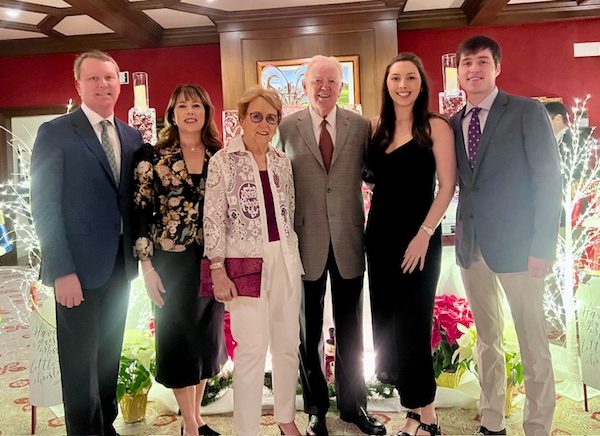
<point>450,314</point>
<point>137,363</point>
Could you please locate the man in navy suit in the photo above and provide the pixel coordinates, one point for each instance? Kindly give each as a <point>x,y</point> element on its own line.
<point>80,201</point>
<point>507,228</point>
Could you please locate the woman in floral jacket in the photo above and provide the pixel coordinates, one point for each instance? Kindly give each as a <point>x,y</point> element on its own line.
<point>169,182</point>
<point>249,212</point>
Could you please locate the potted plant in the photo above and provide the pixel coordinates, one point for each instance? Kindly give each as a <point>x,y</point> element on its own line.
<point>137,363</point>
<point>451,314</point>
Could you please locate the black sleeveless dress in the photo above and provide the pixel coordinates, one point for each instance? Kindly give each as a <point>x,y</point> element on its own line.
<point>402,304</point>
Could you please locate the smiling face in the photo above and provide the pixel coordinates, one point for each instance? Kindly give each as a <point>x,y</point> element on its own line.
<point>404,83</point>
<point>189,115</point>
<point>323,84</point>
<point>98,85</point>
<point>477,74</point>
<point>259,134</point>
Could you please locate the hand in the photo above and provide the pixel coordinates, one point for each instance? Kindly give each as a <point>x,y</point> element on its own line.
<point>67,290</point>
<point>223,288</point>
<point>538,268</point>
<point>153,283</point>
<point>415,253</point>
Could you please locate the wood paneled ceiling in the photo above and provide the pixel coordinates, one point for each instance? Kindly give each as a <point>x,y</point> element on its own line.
<point>54,26</point>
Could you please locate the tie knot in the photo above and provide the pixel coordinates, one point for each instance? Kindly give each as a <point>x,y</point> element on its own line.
<point>476,111</point>
<point>105,124</point>
<point>324,122</point>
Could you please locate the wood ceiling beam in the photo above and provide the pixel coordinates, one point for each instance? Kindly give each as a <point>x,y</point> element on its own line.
<point>30,7</point>
<point>128,22</point>
<point>432,19</point>
<point>19,26</point>
<point>550,11</point>
<point>481,12</point>
<point>47,25</point>
<point>580,2</point>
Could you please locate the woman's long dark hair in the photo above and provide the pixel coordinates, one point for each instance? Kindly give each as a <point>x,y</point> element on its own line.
<point>169,134</point>
<point>421,131</point>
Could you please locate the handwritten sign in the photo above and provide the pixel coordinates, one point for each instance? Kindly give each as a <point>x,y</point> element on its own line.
<point>589,326</point>
<point>44,371</point>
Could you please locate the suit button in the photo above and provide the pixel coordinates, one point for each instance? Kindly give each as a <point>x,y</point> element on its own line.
<point>471,215</point>
<point>475,189</point>
<point>329,190</point>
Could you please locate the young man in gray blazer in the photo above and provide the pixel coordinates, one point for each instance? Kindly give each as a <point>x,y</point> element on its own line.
<point>326,145</point>
<point>507,228</point>
<point>80,202</point>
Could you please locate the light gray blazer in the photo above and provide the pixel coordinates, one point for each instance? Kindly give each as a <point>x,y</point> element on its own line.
<point>329,206</point>
<point>510,202</point>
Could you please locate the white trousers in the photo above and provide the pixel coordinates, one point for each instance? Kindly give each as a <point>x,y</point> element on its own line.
<point>525,299</point>
<point>257,324</point>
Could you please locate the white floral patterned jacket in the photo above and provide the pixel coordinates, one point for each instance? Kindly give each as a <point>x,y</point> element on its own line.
<point>235,222</point>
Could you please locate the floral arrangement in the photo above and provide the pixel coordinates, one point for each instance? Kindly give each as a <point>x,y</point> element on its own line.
<point>450,315</point>
<point>466,353</point>
<point>137,363</point>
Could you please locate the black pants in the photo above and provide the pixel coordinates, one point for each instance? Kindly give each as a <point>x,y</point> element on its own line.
<point>90,337</point>
<point>347,316</point>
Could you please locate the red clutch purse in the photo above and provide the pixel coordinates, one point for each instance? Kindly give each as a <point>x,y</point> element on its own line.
<point>244,272</point>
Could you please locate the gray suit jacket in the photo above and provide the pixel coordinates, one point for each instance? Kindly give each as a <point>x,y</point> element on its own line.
<point>329,206</point>
<point>76,205</point>
<point>510,202</point>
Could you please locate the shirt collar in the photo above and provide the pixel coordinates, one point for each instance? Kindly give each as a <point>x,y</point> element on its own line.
<point>485,104</point>
<point>237,145</point>
<point>94,118</point>
<point>318,119</point>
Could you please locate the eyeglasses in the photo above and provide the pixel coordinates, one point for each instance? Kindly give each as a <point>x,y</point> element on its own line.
<point>257,117</point>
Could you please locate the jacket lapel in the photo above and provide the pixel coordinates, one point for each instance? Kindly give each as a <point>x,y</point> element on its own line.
<point>305,129</point>
<point>342,122</point>
<point>86,132</point>
<point>461,152</point>
<point>493,119</point>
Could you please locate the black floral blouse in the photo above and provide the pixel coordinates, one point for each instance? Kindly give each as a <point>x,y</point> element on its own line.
<point>167,204</point>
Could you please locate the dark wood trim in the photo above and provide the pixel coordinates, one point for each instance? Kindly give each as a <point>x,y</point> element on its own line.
<point>128,22</point>
<point>552,11</point>
<point>31,7</point>
<point>434,19</point>
<point>480,12</point>
<point>19,26</point>
<point>46,26</point>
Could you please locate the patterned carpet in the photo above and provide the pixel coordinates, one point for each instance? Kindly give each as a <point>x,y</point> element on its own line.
<point>15,408</point>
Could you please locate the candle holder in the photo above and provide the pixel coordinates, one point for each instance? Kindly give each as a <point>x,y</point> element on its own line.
<point>141,116</point>
<point>452,99</point>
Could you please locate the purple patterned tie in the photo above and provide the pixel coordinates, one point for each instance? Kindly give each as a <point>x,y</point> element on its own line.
<point>474,135</point>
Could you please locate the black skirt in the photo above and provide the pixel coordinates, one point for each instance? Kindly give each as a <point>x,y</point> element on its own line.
<point>190,344</point>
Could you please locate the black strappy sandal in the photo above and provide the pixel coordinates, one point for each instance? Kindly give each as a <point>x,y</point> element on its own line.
<point>410,415</point>
<point>433,429</point>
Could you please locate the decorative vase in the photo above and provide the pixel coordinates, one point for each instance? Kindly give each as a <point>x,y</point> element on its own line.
<point>510,388</point>
<point>134,407</point>
<point>450,379</point>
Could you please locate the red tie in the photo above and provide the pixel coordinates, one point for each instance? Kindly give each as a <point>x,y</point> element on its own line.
<point>326,145</point>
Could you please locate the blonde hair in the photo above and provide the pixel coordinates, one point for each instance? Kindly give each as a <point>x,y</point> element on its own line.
<point>93,54</point>
<point>257,91</point>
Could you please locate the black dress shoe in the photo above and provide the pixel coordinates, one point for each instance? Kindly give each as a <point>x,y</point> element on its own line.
<point>317,426</point>
<point>483,431</point>
<point>205,430</point>
<point>365,422</point>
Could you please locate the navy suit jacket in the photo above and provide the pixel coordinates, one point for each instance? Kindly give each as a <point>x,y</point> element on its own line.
<point>76,205</point>
<point>510,201</point>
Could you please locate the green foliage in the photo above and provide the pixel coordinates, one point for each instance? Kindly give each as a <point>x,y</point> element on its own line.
<point>514,368</point>
<point>137,363</point>
<point>216,385</point>
<point>377,390</point>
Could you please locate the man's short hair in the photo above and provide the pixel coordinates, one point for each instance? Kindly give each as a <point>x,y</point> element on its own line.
<point>477,43</point>
<point>557,108</point>
<point>320,58</point>
<point>95,54</point>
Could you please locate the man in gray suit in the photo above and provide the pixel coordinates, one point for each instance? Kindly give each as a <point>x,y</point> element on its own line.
<point>506,232</point>
<point>80,201</point>
<point>326,145</point>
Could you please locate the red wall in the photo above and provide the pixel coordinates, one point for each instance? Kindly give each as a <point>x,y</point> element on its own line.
<point>537,59</point>
<point>48,79</point>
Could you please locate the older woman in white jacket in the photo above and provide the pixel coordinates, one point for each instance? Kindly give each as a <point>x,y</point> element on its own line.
<point>249,212</point>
